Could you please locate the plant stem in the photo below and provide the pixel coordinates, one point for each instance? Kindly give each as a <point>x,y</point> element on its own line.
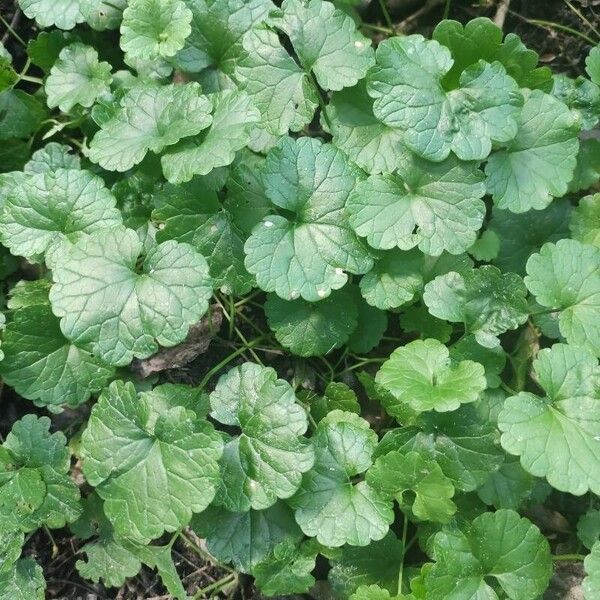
<point>386,15</point>
<point>378,28</point>
<point>551,25</point>
<point>583,18</point>
<point>205,556</point>
<point>559,557</point>
<point>12,31</point>
<point>216,586</point>
<point>447,9</point>
<point>401,570</point>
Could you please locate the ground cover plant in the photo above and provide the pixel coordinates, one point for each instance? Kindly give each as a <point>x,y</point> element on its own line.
<point>317,301</point>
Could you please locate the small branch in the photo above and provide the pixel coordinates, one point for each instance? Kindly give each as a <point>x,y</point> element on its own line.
<point>410,21</point>
<point>563,557</point>
<point>501,13</point>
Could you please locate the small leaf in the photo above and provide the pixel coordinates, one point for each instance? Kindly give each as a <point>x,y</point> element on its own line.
<point>585,221</point>
<point>588,528</point>
<point>61,13</point>
<point>422,375</point>
<point>344,445</point>
<point>538,163</point>
<point>565,276</point>
<point>51,157</point>
<point>581,96</point>
<point>591,584</point>
<point>77,77</point>
<point>267,459</point>
<point>152,464</point>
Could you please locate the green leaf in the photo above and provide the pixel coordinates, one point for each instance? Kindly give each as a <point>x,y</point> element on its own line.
<point>337,396</point>
<point>479,39</point>
<point>581,96</point>
<point>152,464</point>
<point>326,42</point>
<point>587,169</point>
<point>77,77</point>
<point>394,474</point>
<point>51,157</point>
<point>435,206</point>
<point>25,581</point>
<point>35,488</point>
<point>398,277</point>
<point>591,584</point>
<point>485,247</point>
<point>46,208</point>
<point>422,375</point>
<point>312,328</point>
<point>485,300</point>
<point>378,563</point>
<point>11,542</point>
<point>585,221</point>
<point>493,360</point>
<point>371,144</point>
<point>565,276</point>
<point>287,570</point>
<point>460,442</point>
<point>173,278</point>
<point>44,49</point>
<point>418,320</point>
<point>149,118</point>
<point>306,256</point>
<point>267,459</point>
<point>154,29</point>
<point>64,14</point>
<point>279,88</point>
<point>538,163</point>
<point>508,487</point>
<point>498,545</point>
<point>20,114</point>
<point>233,116</point>
<point>525,233</point>
<point>102,14</point>
<point>588,528</point>
<point>406,86</point>
<point>592,64</point>
<point>246,539</point>
<point>371,326</point>
<point>41,365</point>
<point>565,421</point>
<point>329,505</point>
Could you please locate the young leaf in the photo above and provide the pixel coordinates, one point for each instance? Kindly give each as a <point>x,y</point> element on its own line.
<point>435,206</point>
<point>394,474</point>
<point>312,329</point>
<point>487,301</point>
<point>422,375</point>
<point>566,420</point>
<point>500,545</point>
<point>153,464</point>
<point>233,116</point>
<point>149,118</point>
<point>307,256</point>
<point>42,365</point>
<point>61,13</point>
<point>588,528</point>
<point>585,221</point>
<point>287,570</point>
<point>51,157</point>
<point>565,276</point>
<point>326,42</point>
<point>45,208</point>
<point>406,86</point>
<point>150,305</point>
<point>344,446</point>
<point>35,488</point>
<point>581,96</point>
<point>267,459</point>
<point>587,169</point>
<point>247,538</point>
<point>538,163</point>
<point>25,581</point>
<point>77,77</point>
<point>337,396</point>
<point>154,29</point>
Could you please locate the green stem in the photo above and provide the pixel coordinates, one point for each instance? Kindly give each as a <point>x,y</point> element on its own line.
<point>508,389</point>
<point>401,570</point>
<point>12,31</point>
<point>551,25</point>
<point>378,28</point>
<point>321,99</point>
<point>386,15</point>
<point>361,364</point>
<point>559,557</point>
<point>583,18</point>
<point>227,360</point>
<point>216,586</point>
<point>447,9</point>
<point>205,556</point>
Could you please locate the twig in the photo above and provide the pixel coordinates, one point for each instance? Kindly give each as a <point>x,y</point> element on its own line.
<point>550,25</point>
<point>583,18</point>
<point>425,9</point>
<point>501,13</point>
<point>10,28</point>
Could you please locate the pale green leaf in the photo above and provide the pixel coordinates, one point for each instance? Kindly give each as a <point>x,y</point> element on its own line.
<point>102,14</point>
<point>51,157</point>
<point>585,221</point>
<point>588,528</point>
<point>61,13</point>
<point>591,584</point>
